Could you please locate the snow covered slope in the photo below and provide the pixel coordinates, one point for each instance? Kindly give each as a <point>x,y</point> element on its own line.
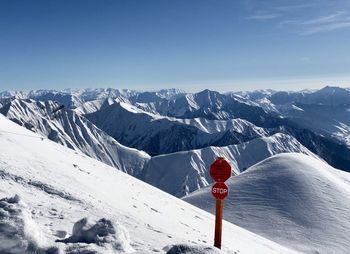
<point>157,134</point>
<point>293,199</point>
<point>76,132</point>
<point>212,105</point>
<point>212,126</point>
<point>326,96</point>
<point>59,187</point>
<point>184,172</point>
<point>95,105</point>
<point>325,111</point>
<point>92,106</point>
<point>330,120</point>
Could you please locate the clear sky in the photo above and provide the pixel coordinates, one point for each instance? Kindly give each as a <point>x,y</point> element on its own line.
<point>189,44</point>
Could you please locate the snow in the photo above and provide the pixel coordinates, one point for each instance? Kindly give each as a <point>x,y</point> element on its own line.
<point>104,233</point>
<point>157,134</point>
<point>191,249</point>
<point>333,121</point>
<point>74,131</point>
<point>58,194</point>
<point>93,106</point>
<point>293,199</point>
<point>213,126</point>
<point>18,231</point>
<point>184,172</point>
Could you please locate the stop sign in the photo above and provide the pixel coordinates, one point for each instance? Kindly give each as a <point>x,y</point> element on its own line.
<point>219,190</point>
<point>220,170</point>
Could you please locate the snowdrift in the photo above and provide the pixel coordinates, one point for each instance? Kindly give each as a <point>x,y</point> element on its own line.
<point>293,199</point>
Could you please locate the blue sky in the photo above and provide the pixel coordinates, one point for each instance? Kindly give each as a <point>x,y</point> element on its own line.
<point>189,44</point>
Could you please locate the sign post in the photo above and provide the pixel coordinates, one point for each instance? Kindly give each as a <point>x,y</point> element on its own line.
<point>220,171</point>
<point>218,223</point>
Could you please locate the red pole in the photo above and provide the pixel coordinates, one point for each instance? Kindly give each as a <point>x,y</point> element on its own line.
<point>218,224</point>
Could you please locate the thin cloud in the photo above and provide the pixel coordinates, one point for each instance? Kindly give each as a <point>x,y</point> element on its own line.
<point>334,21</point>
<point>285,16</point>
<point>327,27</point>
<point>325,19</point>
<point>263,17</point>
<point>294,7</point>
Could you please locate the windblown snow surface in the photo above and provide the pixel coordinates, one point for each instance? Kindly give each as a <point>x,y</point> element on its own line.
<point>71,203</point>
<point>296,200</point>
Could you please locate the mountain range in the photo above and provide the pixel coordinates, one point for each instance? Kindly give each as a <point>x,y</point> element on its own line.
<point>209,118</point>
<point>62,152</point>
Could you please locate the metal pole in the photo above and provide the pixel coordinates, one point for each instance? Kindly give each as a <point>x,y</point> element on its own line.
<point>218,224</point>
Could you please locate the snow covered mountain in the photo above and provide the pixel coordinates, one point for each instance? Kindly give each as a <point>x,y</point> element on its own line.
<point>330,120</point>
<point>73,98</point>
<point>328,95</point>
<point>95,105</point>
<point>293,199</point>
<point>157,134</point>
<point>164,94</point>
<point>325,111</point>
<point>323,129</point>
<point>184,172</point>
<point>57,188</point>
<point>74,131</point>
<point>212,105</point>
<point>9,94</point>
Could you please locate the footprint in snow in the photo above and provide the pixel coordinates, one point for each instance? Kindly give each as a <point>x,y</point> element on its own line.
<point>155,210</point>
<point>153,229</point>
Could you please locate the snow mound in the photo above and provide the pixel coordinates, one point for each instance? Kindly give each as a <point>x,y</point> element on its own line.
<point>103,233</point>
<point>18,231</point>
<point>192,249</point>
<point>293,199</point>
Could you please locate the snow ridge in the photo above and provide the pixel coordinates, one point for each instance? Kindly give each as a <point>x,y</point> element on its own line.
<point>74,131</point>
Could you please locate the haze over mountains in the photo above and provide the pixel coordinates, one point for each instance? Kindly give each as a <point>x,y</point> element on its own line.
<point>294,142</point>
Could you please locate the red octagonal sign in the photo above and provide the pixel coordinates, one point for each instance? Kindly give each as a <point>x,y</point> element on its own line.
<point>219,190</point>
<point>220,170</point>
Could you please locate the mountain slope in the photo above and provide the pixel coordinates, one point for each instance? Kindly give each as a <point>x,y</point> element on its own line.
<point>302,200</point>
<point>157,134</point>
<point>95,105</point>
<point>69,129</point>
<point>328,95</point>
<point>57,194</point>
<point>184,172</point>
<point>214,106</point>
